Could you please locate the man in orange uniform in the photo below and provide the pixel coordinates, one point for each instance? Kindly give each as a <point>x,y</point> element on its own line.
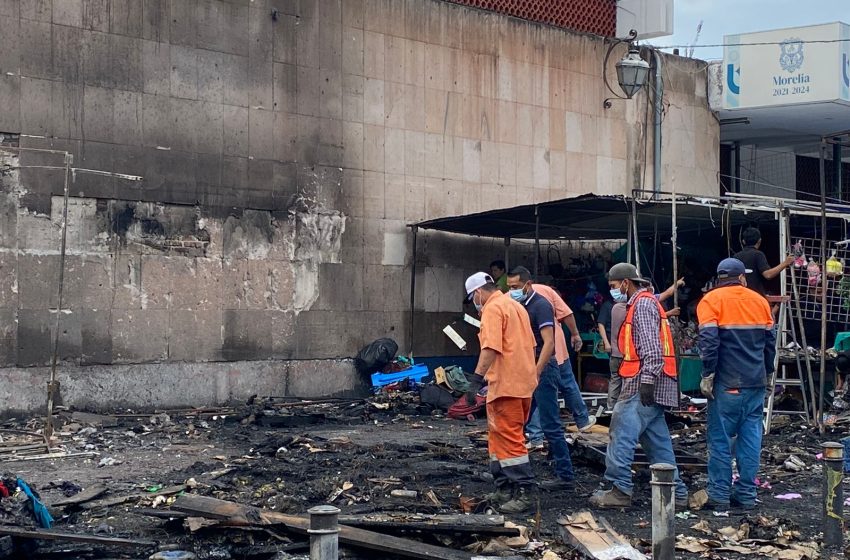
<point>508,365</point>
<point>648,372</point>
<point>738,347</point>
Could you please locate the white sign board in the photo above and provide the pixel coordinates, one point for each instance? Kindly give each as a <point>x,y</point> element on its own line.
<point>787,66</point>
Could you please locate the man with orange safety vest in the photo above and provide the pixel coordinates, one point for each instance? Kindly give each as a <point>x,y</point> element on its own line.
<point>738,347</point>
<point>649,386</point>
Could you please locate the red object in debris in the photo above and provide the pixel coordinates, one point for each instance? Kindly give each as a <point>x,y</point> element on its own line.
<point>595,383</point>
<point>4,492</point>
<point>463,410</point>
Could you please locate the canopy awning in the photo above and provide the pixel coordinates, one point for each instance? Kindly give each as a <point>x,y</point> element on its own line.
<point>593,216</point>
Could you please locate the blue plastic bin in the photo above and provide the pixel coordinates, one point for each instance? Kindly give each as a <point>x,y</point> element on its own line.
<point>416,373</point>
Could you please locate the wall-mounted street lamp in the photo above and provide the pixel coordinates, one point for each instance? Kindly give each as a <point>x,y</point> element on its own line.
<point>632,70</point>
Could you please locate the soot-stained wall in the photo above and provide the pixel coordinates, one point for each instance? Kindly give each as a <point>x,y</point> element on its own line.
<point>283,148</point>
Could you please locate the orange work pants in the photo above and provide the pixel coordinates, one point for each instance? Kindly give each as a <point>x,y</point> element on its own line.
<point>509,464</point>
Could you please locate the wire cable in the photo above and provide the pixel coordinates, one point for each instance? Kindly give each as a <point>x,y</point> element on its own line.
<point>757,44</point>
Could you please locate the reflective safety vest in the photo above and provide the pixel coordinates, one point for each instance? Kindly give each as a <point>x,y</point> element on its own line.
<point>631,363</point>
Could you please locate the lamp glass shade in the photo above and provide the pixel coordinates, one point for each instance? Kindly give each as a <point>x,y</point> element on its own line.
<point>632,72</point>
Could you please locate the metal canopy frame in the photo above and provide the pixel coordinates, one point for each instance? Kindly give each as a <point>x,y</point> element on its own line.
<point>600,217</point>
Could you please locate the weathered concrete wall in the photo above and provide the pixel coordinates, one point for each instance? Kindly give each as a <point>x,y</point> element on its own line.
<point>151,386</point>
<point>284,146</point>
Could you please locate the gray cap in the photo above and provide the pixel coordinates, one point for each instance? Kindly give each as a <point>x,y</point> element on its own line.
<point>625,271</point>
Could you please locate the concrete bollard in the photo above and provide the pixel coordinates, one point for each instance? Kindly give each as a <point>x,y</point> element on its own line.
<point>663,512</point>
<point>833,494</point>
<point>324,533</point>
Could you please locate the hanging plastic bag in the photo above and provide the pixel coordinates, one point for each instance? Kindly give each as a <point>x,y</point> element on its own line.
<point>813,271</point>
<point>834,266</point>
<point>799,256</point>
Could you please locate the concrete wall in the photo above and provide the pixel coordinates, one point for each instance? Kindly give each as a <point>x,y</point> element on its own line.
<point>284,146</point>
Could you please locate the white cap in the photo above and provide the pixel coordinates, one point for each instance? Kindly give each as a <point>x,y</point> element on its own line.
<point>476,281</point>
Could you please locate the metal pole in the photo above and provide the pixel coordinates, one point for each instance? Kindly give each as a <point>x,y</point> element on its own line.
<point>629,239</point>
<point>507,254</point>
<point>657,116</point>
<point>663,512</point>
<point>410,327</point>
<point>824,280</point>
<point>635,237</point>
<point>324,533</point>
<point>833,494</point>
<point>737,172</point>
<point>675,249</point>
<point>836,169</point>
<point>536,240</point>
<point>53,385</point>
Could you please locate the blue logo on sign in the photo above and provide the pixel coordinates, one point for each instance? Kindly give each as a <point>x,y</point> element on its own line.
<point>845,69</point>
<point>730,78</point>
<point>792,54</point>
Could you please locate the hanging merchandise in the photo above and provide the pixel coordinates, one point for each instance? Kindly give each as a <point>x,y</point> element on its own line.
<point>799,257</point>
<point>813,271</point>
<point>834,266</point>
<point>844,292</point>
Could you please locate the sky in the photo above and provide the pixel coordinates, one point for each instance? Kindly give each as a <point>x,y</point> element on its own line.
<point>725,17</point>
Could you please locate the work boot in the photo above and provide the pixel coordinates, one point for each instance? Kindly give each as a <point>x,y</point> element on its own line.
<point>536,445</point>
<point>500,496</point>
<point>741,506</point>
<point>557,485</point>
<point>523,500</point>
<point>610,499</point>
<point>591,421</point>
<point>682,504</point>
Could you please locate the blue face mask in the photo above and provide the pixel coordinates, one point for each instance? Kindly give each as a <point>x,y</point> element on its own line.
<point>478,306</point>
<point>517,295</point>
<point>618,296</point>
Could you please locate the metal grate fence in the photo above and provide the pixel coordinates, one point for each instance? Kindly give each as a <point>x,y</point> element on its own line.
<point>807,275</point>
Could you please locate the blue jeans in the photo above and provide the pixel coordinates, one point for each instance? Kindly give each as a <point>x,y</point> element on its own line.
<point>734,416</point>
<point>546,404</point>
<point>572,398</point>
<point>633,423</point>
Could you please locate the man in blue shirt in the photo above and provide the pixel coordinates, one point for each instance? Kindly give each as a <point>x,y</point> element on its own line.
<point>542,317</point>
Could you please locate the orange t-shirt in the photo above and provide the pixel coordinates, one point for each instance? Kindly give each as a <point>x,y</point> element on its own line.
<point>562,311</point>
<point>506,328</point>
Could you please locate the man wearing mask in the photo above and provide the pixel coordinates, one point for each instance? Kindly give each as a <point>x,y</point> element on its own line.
<point>738,346</point>
<point>508,365</point>
<point>649,386</point>
<point>542,317</point>
<point>568,385</point>
<point>617,316</point>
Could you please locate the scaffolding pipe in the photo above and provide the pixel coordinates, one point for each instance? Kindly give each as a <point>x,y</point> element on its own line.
<point>635,237</point>
<point>836,172</point>
<point>53,385</point>
<point>824,280</point>
<point>675,249</point>
<point>536,241</point>
<point>658,115</point>
<point>410,324</point>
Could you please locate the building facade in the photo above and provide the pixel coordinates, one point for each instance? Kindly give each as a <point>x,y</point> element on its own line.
<point>283,149</point>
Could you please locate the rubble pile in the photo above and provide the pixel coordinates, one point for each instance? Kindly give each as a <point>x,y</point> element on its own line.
<point>237,482</point>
